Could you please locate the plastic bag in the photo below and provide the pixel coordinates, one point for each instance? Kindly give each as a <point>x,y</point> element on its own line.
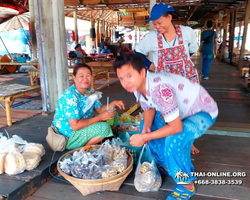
<point>107,148</point>
<point>120,164</point>
<point>66,164</point>
<point>119,152</point>
<point>32,160</point>
<point>34,148</point>
<point>91,100</point>
<point>127,118</point>
<point>138,118</point>
<point>2,161</point>
<point>14,163</point>
<point>8,145</point>
<point>108,171</point>
<point>147,176</point>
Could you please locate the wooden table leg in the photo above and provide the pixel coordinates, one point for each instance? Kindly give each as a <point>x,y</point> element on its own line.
<point>31,80</point>
<point>8,112</point>
<point>108,76</point>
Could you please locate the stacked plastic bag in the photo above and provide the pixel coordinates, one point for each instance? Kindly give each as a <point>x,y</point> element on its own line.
<point>17,155</point>
<point>107,161</point>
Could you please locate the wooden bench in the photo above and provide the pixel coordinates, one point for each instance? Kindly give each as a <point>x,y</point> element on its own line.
<point>243,71</point>
<point>9,65</point>
<point>95,71</point>
<point>8,94</point>
<point>108,65</point>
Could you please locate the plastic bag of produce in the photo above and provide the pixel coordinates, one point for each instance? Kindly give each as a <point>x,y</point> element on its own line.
<point>147,176</point>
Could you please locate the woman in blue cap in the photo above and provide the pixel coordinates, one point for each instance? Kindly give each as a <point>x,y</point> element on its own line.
<point>171,46</point>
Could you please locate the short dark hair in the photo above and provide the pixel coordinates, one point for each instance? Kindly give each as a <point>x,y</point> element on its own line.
<point>135,60</point>
<point>81,65</point>
<point>78,45</point>
<point>166,14</point>
<point>209,23</point>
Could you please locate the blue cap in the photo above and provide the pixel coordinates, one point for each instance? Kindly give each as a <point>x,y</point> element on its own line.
<point>158,10</point>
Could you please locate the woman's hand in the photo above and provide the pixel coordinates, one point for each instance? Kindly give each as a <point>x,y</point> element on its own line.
<point>137,140</point>
<point>106,115</point>
<point>119,103</point>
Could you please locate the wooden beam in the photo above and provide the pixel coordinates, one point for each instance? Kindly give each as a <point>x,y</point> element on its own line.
<point>190,14</point>
<point>246,21</point>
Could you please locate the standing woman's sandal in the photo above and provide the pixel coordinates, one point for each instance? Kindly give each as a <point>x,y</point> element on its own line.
<point>181,193</point>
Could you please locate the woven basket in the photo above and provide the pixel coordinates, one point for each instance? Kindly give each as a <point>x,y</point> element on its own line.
<point>91,186</point>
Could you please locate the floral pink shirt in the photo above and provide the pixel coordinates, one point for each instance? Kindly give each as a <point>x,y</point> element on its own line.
<point>174,95</point>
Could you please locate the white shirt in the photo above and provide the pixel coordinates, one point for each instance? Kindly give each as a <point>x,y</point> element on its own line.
<point>150,44</point>
<point>174,95</point>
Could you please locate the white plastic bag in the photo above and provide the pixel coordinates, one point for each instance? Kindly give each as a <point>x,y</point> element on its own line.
<point>2,161</point>
<point>14,163</point>
<point>147,176</point>
<point>91,100</point>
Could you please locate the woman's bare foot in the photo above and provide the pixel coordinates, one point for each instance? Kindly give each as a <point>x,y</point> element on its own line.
<point>194,150</point>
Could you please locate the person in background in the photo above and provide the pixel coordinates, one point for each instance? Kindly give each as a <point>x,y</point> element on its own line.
<point>105,49</point>
<point>79,51</point>
<point>171,45</point>
<point>73,115</point>
<point>188,112</point>
<point>208,48</point>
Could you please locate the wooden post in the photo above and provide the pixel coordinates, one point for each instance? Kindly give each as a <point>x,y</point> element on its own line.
<point>231,40</point>
<point>225,28</point>
<point>32,29</point>
<point>51,40</point>
<point>246,21</point>
<point>91,20</point>
<point>92,26</point>
<point>76,28</point>
<point>106,29</point>
<point>216,25</point>
<point>98,34</point>
<point>151,26</point>
<point>239,35</point>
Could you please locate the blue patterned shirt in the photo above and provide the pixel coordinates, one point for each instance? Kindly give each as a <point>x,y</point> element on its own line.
<point>70,106</point>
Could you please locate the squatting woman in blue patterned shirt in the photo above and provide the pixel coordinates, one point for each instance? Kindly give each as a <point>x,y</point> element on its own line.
<point>75,122</point>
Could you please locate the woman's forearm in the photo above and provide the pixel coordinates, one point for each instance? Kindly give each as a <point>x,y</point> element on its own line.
<point>83,123</point>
